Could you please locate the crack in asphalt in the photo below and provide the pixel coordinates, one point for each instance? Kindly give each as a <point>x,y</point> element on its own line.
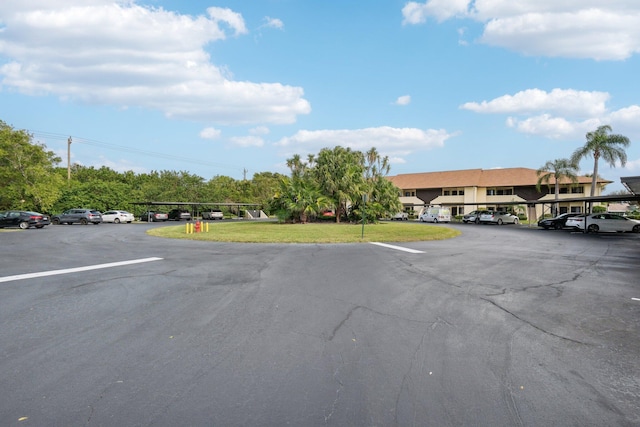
<point>531,324</point>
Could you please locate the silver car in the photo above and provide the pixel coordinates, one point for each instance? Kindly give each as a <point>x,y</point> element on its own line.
<point>604,222</point>
<point>498,217</point>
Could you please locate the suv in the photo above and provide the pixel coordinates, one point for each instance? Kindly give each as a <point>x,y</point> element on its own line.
<point>179,215</point>
<point>83,216</point>
<point>473,216</point>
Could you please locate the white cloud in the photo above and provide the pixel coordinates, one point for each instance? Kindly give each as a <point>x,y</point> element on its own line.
<point>571,28</point>
<point>210,133</point>
<point>259,130</point>
<point>273,23</point>
<point>397,143</point>
<point>560,113</point>
<point>119,53</point>
<point>403,100</point>
<point>563,101</point>
<point>247,141</point>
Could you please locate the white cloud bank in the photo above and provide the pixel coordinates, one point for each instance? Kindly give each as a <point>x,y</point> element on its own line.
<point>560,113</point>
<point>601,30</point>
<point>396,143</point>
<point>119,53</point>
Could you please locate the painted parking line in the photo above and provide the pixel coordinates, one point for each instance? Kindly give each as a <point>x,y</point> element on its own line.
<point>636,299</point>
<point>75,270</point>
<point>398,248</point>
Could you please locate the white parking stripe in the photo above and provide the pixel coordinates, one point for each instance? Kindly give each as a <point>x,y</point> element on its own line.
<point>399,248</point>
<point>75,270</point>
<point>636,299</point>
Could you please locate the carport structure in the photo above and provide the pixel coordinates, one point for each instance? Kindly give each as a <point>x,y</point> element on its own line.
<point>252,210</point>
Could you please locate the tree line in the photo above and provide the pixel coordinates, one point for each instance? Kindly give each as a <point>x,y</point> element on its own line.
<point>337,180</point>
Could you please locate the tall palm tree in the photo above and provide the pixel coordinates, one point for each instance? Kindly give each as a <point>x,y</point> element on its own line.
<point>601,144</point>
<point>559,169</point>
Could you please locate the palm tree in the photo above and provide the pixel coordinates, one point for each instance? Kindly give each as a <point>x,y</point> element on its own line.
<point>559,169</point>
<point>600,144</point>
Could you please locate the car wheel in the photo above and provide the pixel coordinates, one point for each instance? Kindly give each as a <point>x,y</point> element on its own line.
<point>558,226</point>
<point>116,221</point>
<point>515,220</point>
<point>83,221</point>
<point>636,228</point>
<point>435,220</point>
<point>477,221</point>
<point>55,221</point>
<point>593,228</point>
<point>24,225</point>
<point>499,221</point>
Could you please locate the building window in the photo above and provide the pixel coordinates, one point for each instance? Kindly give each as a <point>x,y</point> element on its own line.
<point>576,209</point>
<point>577,190</point>
<point>500,191</point>
<point>446,193</point>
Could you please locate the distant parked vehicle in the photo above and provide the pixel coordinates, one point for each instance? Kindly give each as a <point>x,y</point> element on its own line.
<point>473,216</point>
<point>179,215</point>
<point>498,217</point>
<point>401,216</point>
<point>23,219</point>
<point>213,214</point>
<point>558,222</point>
<point>117,217</point>
<point>83,216</point>
<point>152,216</point>
<point>604,222</point>
<point>436,214</point>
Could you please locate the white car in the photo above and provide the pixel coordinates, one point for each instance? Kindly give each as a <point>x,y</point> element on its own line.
<point>604,222</point>
<point>117,217</point>
<point>401,216</point>
<point>498,217</point>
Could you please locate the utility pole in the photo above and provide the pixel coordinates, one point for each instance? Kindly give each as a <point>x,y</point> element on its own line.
<point>69,159</point>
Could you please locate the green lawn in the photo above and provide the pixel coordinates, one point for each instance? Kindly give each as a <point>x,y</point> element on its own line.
<point>270,232</point>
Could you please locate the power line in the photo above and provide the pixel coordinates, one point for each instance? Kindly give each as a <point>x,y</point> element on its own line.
<point>115,147</point>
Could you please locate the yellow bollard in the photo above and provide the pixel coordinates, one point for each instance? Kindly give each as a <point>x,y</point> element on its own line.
<point>187,228</point>
<point>207,227</point>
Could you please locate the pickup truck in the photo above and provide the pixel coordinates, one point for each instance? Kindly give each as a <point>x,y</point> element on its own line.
<point>213,214</point>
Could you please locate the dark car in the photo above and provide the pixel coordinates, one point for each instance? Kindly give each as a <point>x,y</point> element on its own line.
<point>152,216</point>
<point>83,216</point>
<point>558,222</point>
<point>23,219</point>
<point>179,215</point>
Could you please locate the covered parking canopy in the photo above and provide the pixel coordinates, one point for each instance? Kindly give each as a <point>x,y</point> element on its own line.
<point>197,207</point>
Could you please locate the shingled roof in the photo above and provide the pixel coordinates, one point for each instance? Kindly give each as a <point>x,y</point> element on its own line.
<point>507,177</point>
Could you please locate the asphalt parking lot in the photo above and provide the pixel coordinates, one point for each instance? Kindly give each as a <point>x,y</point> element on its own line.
<point>501,326</point>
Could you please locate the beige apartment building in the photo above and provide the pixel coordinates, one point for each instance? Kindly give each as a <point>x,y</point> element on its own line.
<point>498,189</point>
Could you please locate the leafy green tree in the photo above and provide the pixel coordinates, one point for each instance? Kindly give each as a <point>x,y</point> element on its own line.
<point>28,178</point>
<point>601,144</point>
<point>558,170</point>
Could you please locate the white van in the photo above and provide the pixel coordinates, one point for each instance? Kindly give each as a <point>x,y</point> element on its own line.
<point>435,214</point>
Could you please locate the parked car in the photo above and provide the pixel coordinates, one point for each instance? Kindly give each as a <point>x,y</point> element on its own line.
<point>498,217</point>
<point>401,216</point>
<point>117,217</point>
<point>213,214</point>
<point>152,216</point>
<point>83,216</point>
<point>473,216</point>
<point>179,215</point>
<point>435,214</point>
<point>23,219</point>
<point>558,222</point>
<point>604,222</point>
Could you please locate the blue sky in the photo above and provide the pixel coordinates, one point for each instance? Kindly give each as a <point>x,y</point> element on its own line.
<point>236,87</point>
